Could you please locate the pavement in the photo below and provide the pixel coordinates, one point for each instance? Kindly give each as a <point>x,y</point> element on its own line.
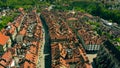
<point>41,56</point>
<point>91,56</point>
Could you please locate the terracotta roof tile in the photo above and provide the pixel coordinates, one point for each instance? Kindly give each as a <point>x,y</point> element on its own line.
<point>62,61</point>
<point>72,60</point>
<point>1,66</point>
<point>63,53</point>
<point>17,24</point>
<point>72,18</point>
<point>34,42</point>
<point>12,30</point>
<point>23,31</point>
<point>3,63</point>
<point>3,39</point>
<point>31,57</point>
<point>87,65</point>
<point>60,47</point>
<point>7,57</point>
<point>33,49</point>
<point>28,65</point>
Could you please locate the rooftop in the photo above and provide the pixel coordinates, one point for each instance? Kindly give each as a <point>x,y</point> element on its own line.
<point>6,58</point>
<point>3,39</point>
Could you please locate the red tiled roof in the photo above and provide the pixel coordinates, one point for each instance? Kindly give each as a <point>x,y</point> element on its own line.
<point>3,63</point>
<point>60,47</point>
<point>33,60</point>
<point>28,65</point>
<point>17,24</point>
<point>63,53</point>
<point>34,42</point>
<point>12,30</point>
<point>1,66</point>
<point>3,39</point>
<point>23,31</point>
<point>7,57</point>
<point>31,57</point>
<point>72,18</point>
<point>87,65</point>
<point>33,49</point>
<point>63,62</point>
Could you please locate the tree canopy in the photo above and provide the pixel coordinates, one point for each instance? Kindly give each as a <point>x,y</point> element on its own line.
<point>17,3</point>
<point>98,9</point>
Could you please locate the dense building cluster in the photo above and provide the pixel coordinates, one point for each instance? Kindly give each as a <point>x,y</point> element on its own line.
<point>9,32</point>
<point>77,21</point>
<point>21,41</point>
<point>59,39</point>
<point>65,49</point>
<point>57,28</point>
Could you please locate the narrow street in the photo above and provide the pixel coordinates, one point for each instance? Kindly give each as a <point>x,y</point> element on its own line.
<point>59,33</point>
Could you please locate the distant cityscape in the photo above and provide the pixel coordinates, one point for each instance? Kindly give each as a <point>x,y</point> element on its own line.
<point>59,34</point>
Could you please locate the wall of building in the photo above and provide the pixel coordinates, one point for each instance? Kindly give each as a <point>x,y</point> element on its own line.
<point>9,43</point>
